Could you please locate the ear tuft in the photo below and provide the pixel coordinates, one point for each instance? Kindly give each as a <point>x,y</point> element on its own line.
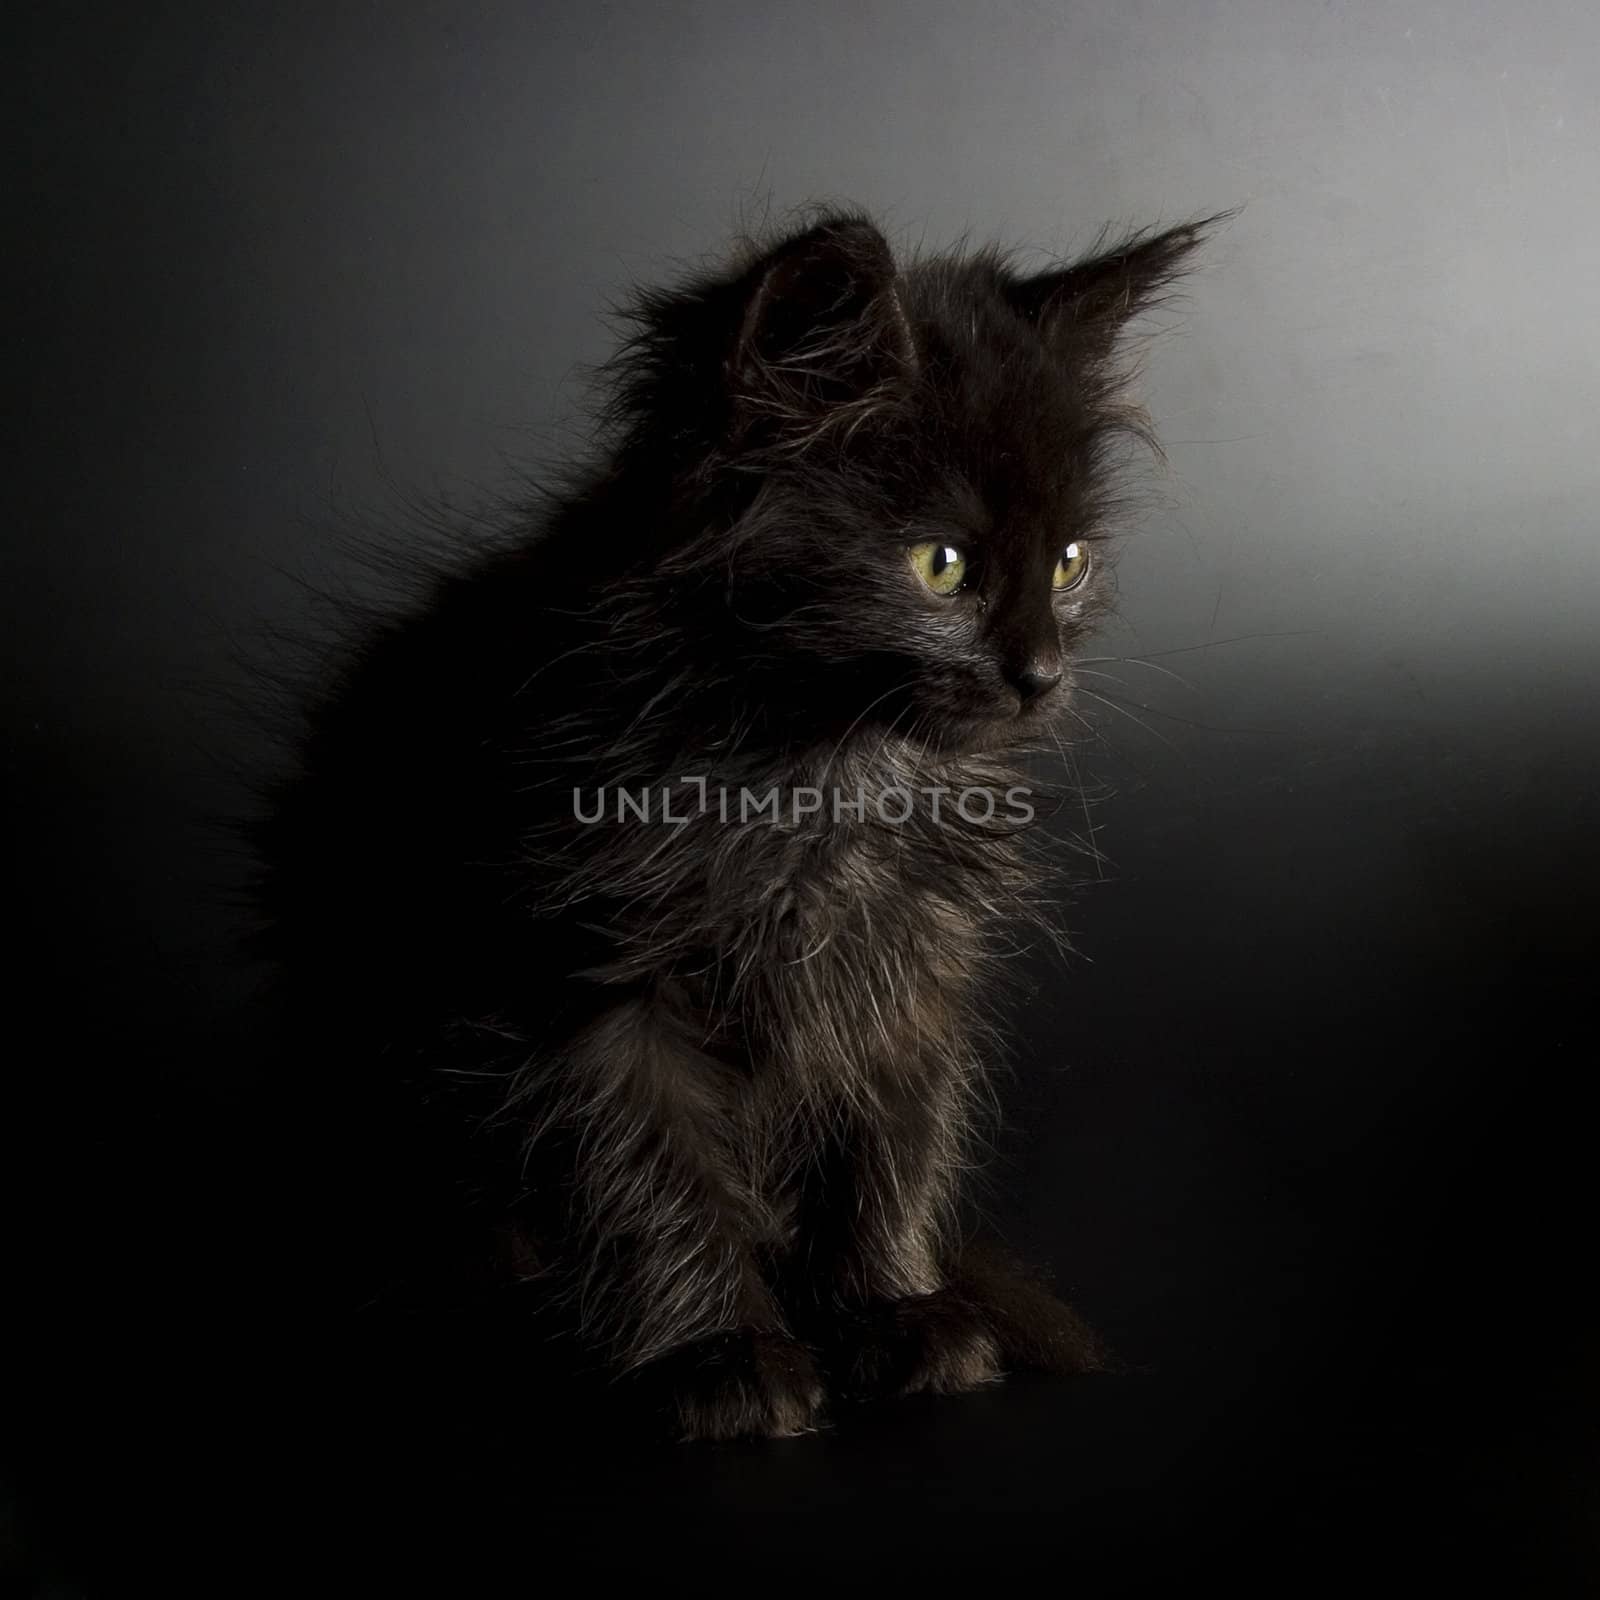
<point>1083,307</point>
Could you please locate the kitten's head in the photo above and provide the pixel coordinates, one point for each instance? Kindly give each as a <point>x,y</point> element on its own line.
<point>910,470</point>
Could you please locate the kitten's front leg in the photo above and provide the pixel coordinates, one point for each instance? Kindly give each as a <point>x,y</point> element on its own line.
<point>659,1232</point>
<point>901,1304</point>
<point>867,1278</point>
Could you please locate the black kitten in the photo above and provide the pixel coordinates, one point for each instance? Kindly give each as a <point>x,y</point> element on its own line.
<point>669,852</point>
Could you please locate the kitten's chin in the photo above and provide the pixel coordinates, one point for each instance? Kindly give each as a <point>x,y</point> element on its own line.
<point>1005,730</point>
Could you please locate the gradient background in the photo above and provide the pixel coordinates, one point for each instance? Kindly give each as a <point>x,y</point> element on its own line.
<point>1306,1131</point>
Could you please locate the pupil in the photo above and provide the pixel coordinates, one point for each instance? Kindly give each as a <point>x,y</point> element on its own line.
<point>941,560</point>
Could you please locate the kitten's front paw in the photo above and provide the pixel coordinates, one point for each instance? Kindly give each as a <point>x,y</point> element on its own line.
<point>1032,1327</point>
<point>742,1385</point>
<point>933,1343</point>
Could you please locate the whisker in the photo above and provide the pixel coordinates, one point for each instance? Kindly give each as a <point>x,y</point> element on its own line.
<point>1238,638</point>
<point>1069,756</point>
<point>1155,733</point>
<point>1187,722</point>
<point>1136,661</point>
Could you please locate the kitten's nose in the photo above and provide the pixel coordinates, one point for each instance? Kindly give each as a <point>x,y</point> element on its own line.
<point>1034,678</point>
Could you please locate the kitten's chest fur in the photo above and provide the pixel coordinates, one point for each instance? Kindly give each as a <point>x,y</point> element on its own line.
<point>837,960</point>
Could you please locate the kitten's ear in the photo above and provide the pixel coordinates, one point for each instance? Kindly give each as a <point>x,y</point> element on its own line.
<point>1083,307</point>
<point>822,324</point>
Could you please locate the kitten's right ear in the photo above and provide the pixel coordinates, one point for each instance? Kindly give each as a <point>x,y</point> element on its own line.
<point>822,325</point>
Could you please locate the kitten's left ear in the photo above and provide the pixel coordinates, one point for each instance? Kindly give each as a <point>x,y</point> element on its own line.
<point>1082,308</point>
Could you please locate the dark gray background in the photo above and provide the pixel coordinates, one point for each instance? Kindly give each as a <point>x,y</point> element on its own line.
<point>1303,1130</point>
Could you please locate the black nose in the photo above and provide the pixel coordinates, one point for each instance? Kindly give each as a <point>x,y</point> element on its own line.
<point>1035,679</point>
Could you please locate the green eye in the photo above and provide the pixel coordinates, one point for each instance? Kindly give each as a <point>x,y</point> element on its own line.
<point>941,566</point>
<point>1073,567</point>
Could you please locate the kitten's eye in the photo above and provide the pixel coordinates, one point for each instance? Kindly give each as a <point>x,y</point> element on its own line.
<point>1073,567</point>
<point>941,566</point>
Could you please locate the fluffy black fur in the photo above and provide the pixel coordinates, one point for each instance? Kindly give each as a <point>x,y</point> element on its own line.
<point>709,1085</point>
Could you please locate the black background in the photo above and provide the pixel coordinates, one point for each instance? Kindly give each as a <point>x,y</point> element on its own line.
<point>1306,1128</point>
